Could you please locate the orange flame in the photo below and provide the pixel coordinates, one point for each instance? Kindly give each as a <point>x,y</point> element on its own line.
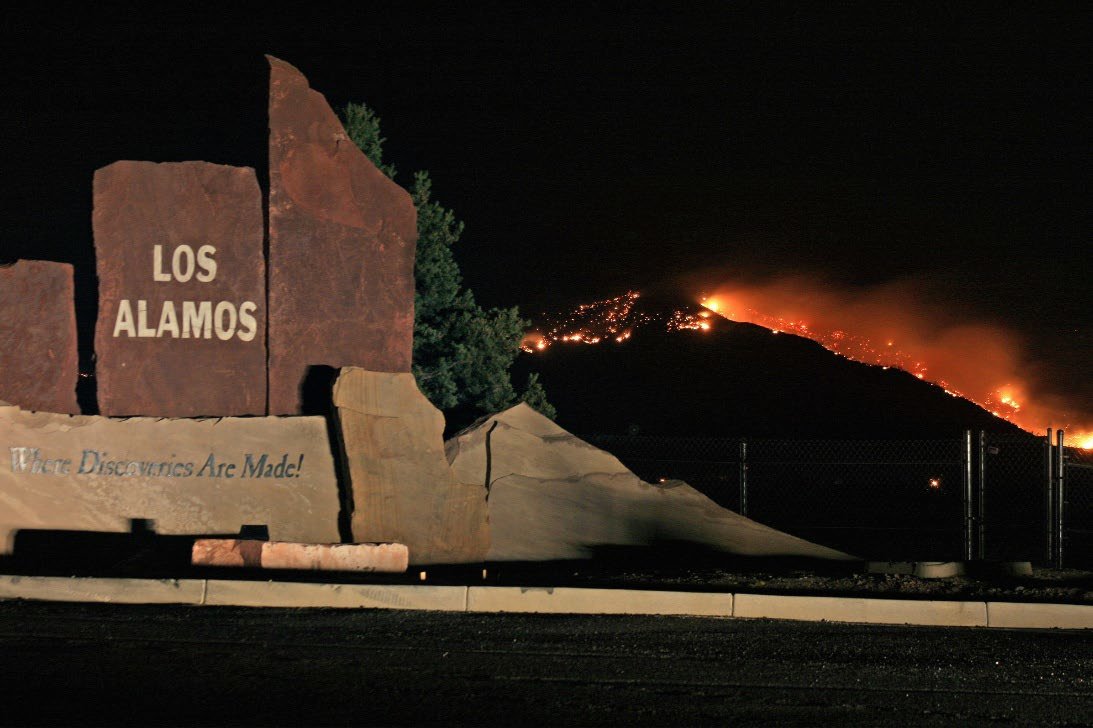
<point>891,327</point>
<point>979,362</point>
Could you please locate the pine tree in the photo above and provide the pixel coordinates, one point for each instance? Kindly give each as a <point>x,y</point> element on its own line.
<point>462,353</point>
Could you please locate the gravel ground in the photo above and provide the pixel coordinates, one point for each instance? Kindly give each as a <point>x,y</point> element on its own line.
<point>72,664</point>
<point>1045,585</point>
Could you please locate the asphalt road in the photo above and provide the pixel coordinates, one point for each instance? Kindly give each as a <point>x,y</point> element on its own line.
<point>102,664</point>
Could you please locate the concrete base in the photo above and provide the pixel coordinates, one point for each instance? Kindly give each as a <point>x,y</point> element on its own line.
<point>202,592</point>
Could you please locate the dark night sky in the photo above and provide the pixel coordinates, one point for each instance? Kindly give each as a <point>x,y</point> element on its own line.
<point>593,150</point>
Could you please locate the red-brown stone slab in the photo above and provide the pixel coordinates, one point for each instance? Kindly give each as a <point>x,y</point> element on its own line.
<point>209,359</point>
<point>39,365</point>
<point>341,249</point>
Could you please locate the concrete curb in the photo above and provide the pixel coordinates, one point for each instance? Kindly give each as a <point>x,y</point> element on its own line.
<point>115,591</point>
<point>565,600</point>
<point>1016,615</point>
<point>538,600</point>
<point>343,596</point>
<point>861,610</point>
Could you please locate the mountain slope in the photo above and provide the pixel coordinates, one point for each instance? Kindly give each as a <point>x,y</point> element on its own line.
<point>735,380</point>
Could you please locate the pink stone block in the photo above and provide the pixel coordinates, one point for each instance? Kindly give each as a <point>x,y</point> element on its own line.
<point>380,557</point>
<point>226,552</point>
<point>362,557</point>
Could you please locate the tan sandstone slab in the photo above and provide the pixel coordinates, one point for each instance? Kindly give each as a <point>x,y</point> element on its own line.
<point>564,600</point>
<point>554,496</point>
<point>39,364</point>
<point>403,489</point>
<point>861,610</point>
<point>181,330</point>
<point>340,596</point>
<point>359,557</point>
<point>199,477</point>
<point>341,248</point>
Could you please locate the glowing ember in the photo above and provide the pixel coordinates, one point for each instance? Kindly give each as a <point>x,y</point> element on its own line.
<point>613,319</point>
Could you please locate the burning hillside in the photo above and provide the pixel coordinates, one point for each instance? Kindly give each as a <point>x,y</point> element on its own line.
<point>889,328</point>
<point>613,320</point>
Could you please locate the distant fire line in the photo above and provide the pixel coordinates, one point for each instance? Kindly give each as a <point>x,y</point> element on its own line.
<point>610,320</point>
<point>1000,402</point>
<point>615,320</point>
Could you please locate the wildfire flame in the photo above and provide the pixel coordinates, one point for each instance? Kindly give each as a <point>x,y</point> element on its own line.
<point>611,320</point>
<point>886,327</point>
<point>976,362</point>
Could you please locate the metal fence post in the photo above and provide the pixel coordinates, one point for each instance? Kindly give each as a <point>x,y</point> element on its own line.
<point>968,518</point>
<point>1060,497</point>
<point>1049,501</point>
<point>743,477</point>
<point>981,505</point>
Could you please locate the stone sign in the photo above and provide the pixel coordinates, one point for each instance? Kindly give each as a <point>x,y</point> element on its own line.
<point>182,321</point>
<point>341,248</point>
<point>403,489</point>
<point>39,365</point>
<point>553,496</point>
<point>187,477</point>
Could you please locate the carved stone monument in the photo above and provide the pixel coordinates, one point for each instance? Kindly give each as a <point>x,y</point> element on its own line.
<point>403,489</point>
<point>341,248</point>
<point>186,476</point>
<point>182,315</point>
<point>554,496</point>
<point>38,357</point>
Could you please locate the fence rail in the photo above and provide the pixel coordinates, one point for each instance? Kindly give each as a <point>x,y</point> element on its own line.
<point>983,496</point>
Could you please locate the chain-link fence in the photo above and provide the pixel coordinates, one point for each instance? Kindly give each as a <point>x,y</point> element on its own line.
<point>1078,507</point>
<point>981,496</point>
<point>1014,479</point>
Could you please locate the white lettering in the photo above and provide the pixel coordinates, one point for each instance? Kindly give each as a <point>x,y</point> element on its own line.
<point>206,262</point>
<point>248,325</point>
<point>124,321</point>
<point>168,321</point>
<point>197,320</point>
<point>158,273</point>
<point>143,330</point>
<point>182,263</point>
<point>224,332</point>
